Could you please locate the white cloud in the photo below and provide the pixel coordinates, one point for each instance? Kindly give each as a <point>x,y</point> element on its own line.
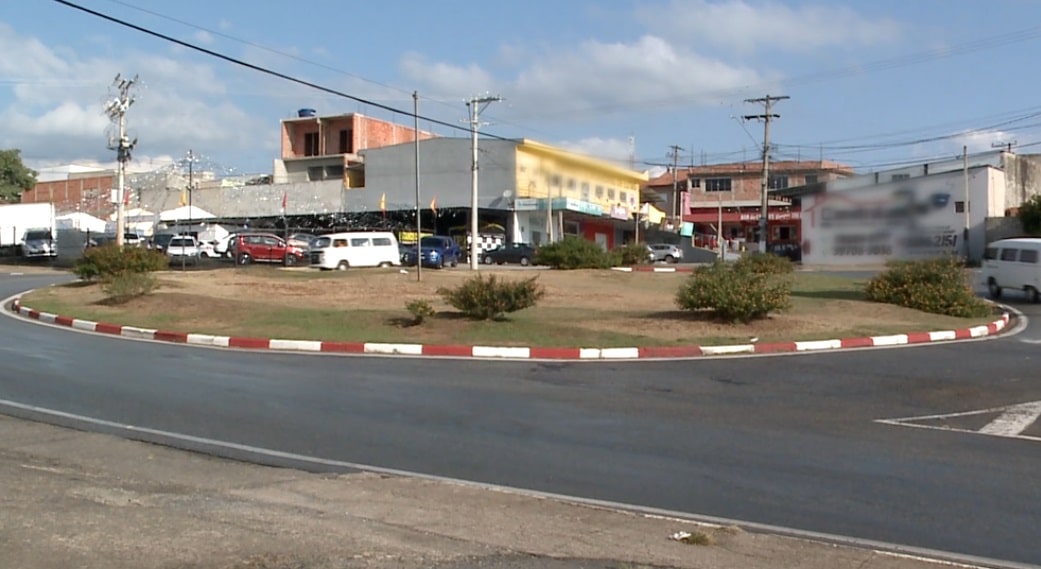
<point>179,104</point>
<point>203,37</point>
<point>745,25</point>
<point>616,150</point>
<point>460,81</point>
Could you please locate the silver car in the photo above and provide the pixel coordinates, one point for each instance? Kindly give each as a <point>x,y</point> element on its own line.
<point>665,252</point>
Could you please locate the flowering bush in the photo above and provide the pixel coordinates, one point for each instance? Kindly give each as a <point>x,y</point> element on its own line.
<point>765,263</point>
<point>420,310</point>
<point>937,286</point>
<point>109,261</point>
<point>734,293</point>
<point>630,254</point>
<point>573,253</point>
<point>490,298</point>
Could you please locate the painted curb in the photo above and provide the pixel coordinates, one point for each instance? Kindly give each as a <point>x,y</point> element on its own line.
<point>509,352</point>
<point>652,269</point>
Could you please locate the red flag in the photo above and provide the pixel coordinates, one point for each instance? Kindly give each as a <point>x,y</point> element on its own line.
<point>285,200</point>
<point>126,197</point>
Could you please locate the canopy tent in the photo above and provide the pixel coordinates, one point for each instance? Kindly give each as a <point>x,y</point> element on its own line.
<point>81,221</point>
<point>184,213</point>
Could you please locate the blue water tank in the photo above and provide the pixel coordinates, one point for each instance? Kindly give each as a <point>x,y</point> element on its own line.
<point>306,113</point>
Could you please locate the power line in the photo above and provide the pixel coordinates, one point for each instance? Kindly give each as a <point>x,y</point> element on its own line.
<point>261,69</point>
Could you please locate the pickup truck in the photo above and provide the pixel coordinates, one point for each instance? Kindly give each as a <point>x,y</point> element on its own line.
<point>434,251</point>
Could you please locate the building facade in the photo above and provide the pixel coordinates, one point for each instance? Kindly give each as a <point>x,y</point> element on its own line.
<point>732,193</point>
<point>535,192</point>
<point>317,148</point>
<point>71,189</point>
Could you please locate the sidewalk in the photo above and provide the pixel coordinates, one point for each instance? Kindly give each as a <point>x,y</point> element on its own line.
<point>75,499</point>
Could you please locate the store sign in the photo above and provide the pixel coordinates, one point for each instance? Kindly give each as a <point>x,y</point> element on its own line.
<point>559,204</point>
<point>772,216</point>
<point>527,204</point>
<point>619,211</point>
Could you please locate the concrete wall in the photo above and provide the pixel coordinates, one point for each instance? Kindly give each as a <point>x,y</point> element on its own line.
<point>1023,176</point>
<point>445,173</point>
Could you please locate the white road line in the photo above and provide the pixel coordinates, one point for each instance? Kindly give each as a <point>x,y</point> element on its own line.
<point>886,548</point>
<point>1014,420</point>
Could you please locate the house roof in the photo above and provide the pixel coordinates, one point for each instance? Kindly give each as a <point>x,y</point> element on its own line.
<point>780,167</point>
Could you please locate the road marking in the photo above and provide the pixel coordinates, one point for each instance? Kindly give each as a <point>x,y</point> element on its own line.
<point>263,456</point>
<point>1014,420</point>
<point>1011,421</point>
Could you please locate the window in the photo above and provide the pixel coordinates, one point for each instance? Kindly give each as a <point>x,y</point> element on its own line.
<point>777,182</point>
<point>339,242</point>
<point>610,193</point>
<point>271,242</point>
<point>571,228</point>
<point>959,207</point>
<point>346,142</point>
<point>990,253</point>
<point>555,180</point>
<point>311,144</point>
<point>334,171</point>
<point>899,177</point>
<point>717,184</point>
<point>693,183</point>
<point>381,241</point>
<point>585,191</point>
<point>315,173</point>
<point>600,191</point>
<point>623,197</point>
<point>1009,254</point>
<point>360,242</point>
<point>1028,256</point>
<point>811,178</point>
<point>783,233</point>
<point>571,183</point>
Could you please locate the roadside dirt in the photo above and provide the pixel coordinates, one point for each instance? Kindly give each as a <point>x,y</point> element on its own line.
<point>74,499</point>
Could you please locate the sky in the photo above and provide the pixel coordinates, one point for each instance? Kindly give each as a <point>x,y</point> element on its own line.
<point>873,84</point>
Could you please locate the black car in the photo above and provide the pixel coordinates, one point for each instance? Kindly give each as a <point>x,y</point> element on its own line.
<point>513,253</point>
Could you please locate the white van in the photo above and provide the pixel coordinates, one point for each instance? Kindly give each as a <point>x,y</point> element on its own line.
<point>342,251</point>
<point>1014,264</point>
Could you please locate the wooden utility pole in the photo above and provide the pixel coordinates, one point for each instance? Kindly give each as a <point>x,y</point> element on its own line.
<point>675,154</point>
<point>766,117</point>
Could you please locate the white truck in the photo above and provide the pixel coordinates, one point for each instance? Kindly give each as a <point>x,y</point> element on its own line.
<point>28,230</point>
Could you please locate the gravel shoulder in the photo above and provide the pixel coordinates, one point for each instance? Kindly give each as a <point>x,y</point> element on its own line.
<point>76,499</point>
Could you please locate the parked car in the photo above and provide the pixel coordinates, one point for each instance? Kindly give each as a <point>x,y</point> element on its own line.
<point>666,252</point>
<point>249,248</point>
<point>342,251</point>
<point>521,253</point>
<point>434,251</point>
<point>40,243</point>
<point>1013,264</point>
<point>302,240</point>
<point>223,245</point>
<point>208,249</point>
<point>182,249</point>
<point>160,241</point>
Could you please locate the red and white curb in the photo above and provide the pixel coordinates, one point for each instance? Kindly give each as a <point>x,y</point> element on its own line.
<point>509,352</point>
<point>650,269</point>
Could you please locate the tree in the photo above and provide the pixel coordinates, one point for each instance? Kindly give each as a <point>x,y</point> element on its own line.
<point>1030,215</point>
<point>15,178</point>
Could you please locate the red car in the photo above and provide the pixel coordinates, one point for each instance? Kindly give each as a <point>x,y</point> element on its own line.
<point>249,248</point>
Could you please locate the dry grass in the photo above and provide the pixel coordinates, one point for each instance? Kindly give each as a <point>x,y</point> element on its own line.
<point>583,308</point>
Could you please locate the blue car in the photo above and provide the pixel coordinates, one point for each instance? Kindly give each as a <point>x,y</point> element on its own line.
<point>435,251</point>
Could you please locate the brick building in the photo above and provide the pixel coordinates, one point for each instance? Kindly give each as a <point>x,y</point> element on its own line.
<point>73,188</point>
<point>318,148</point>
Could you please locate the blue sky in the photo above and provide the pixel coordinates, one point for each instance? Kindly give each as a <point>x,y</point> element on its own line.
<point>872,84</point>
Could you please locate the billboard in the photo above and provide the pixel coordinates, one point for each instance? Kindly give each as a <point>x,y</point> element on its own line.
<point>910,219</point>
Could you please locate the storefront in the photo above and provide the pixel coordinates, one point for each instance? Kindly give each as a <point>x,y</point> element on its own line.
<point>741,227</point>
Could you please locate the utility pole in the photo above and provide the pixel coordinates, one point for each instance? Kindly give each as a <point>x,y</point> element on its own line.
<point>766,117</point>
<point>116,110</point>
<point>965,208</point>
<point>476,105</point>
<point>1007,145</point>
<point>675,154</point>
<point>419,223</point>
<point>191,189</point>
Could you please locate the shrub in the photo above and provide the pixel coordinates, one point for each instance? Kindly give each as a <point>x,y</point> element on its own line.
<point>108,261</point>
<point>489,298</point>
<point>765,263</point>
<point>1030,215</point>
<point>420,310</point>
<point>123,287</point>
<point>937,286</point>
<point>630,254</point>
<point>573,253</point>
<point>734,293</point>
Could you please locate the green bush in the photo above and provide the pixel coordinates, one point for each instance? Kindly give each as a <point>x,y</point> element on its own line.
<point>630,254</point>
<point>937,286</point>
<point>733,293</point>
<point>573,253</point>
<point>108,261</point>
<point>490,298</point>
<point>765,263</point>
<point>123,287</point>
<point>420,310</point>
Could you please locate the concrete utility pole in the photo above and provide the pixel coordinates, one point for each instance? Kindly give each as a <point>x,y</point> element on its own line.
<point>766,117</point>
<point>419,223</point>
<point>116,110</point>
<point>965,207</point>
<point>476,105</point>
<point>675,154</point>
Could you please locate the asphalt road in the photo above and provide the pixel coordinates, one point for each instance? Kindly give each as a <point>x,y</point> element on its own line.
<point>790,441</point>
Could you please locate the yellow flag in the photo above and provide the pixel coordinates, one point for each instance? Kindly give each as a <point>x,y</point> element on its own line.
<point>184,197</point>
<point>383,202</point>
